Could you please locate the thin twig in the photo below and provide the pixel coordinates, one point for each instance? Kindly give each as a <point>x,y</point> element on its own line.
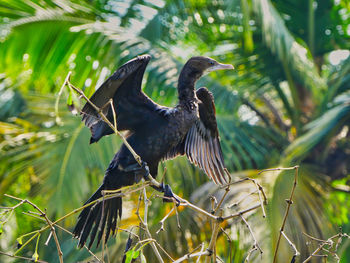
<point>212,242</point>
<point>260,190</point>
<point>213,202</point>
<point>242,199</point>
<point>256,244</point>
<point>318,249</point>
<point>177,217</point>
<point>278,169</point>
<point>241,212</point>
<point>58,119</point>
<point>42,214</point>
<point>227,189</point>
<point>328,242</point>
<point>289,203</point>
<point>67,231</point>
<point>164,251</point>
<point>250,252</point>
<point>19,257</point>
<point>163,220</point>
<point>144,223</point>
<point>184,202</point>
<point>296,252</point>
<point>38,232</point>
<point>193,255</point>
<point>48,239</point>
<point>202,250</point>
<point>230,243</point>
<point>314,238</point>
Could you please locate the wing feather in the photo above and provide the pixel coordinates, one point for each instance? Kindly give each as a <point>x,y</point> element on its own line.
<point>124,88</point>
<point>202,143</point>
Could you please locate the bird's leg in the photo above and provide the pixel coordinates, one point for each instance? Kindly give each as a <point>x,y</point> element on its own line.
<point>169,194</point>
<point>144,170</point>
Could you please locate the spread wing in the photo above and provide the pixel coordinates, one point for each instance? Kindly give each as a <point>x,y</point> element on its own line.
<point>202,143</point>
<point>132,106</point>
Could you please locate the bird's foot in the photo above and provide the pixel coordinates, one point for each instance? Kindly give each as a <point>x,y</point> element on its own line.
<point>145,170</point>
<point>169,195</point>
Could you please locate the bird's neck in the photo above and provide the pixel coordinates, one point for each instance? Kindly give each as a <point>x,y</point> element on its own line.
<point>186,85</point>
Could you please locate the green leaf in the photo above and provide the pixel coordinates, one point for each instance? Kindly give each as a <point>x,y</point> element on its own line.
<point>20,240</point>
<point>319,130</point>
<point>131,254</point>
<point>35,256</point>
<point>283,44</point>
<point>70,98</point>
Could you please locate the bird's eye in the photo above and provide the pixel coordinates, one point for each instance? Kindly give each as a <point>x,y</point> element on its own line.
<point>211,63</point>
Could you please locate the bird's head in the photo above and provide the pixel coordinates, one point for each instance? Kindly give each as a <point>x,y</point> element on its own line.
<point>203,65</point>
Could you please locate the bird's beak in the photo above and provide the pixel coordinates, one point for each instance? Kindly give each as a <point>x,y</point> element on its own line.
<point>220,66</point>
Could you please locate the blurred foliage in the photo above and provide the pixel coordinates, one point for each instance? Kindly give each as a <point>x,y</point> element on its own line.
<point>287,102</point>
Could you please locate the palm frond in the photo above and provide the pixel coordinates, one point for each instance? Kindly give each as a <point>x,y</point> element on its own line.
<point>295,58</point>
<point>321,129</point>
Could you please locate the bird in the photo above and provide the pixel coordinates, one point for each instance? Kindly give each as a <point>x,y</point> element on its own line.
<point>156,133</point>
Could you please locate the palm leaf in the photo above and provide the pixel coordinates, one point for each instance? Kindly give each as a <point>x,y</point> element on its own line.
<point>294,57</point>
<point>320,130</point>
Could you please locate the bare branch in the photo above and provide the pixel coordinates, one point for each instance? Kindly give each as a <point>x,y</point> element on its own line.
<point>329,242</point>
<point>255,244</point>
<point>193,255</point>
<point>163,220</point>
<point>227,189</point>
<point>296,252</point>
<point>214,236</point>
<point>289,203</point>
<point>145,225</point>
<point>42,214</point>
<point>58,119</point>
<point>241,212</point>
<point>260,192</point>
<point>242,199</point>
<point>278,169</point>
<point>259,188</point>
<point>19,257</point>
<point>67,231</point>
<point>202,250</point>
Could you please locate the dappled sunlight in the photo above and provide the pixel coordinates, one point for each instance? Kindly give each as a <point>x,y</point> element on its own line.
<point>337,56</point>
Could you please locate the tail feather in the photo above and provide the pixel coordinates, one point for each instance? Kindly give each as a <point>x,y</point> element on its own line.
<point>94,230</point>
<point>84,215</point>
<point>87,226</point>
<point>102,226</point>
<point>92,220</point>
<point>109,219</point>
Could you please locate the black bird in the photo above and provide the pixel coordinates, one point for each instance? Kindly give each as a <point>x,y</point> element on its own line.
<point>155,132</point>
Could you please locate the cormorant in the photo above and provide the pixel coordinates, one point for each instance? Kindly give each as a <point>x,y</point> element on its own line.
<point>155,133</point>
